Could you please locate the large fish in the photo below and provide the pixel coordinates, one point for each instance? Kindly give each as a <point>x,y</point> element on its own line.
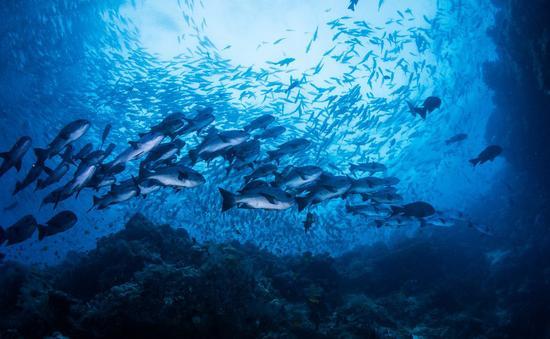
<point>215,143</point>
<point>177,176</point>
<point>297,178</point>
<point>61,222</point>
<point>71,132</point>
<point>488,154</point>
<point>290,147</point>
<point>22,230</point>
<point>137,149</point>
<point>266,198</point>
<point>329,187</point>
<point>14,156</point>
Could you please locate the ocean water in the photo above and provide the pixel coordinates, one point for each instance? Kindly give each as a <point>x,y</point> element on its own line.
<point>338,77</point>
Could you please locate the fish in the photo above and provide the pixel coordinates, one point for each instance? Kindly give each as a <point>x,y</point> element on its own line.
<point>67,156</point>
<point>310,220</point>
<point>370,184</point>
<point>110,148</point>
<point>369,210</point>
<point>162,153</point>
<point>68,134</point>
<point>352,4</point>
<point>138,149</point>
<point>202,120</point>
<point>177,176</point>
<point>22,230</point>
<point>418,209</point>
<point>488,154</point>
<point>32,175</point>
<point>243,155</point>
<point>58,195</point>
<point>148,186</point>
<point>105,134</point>
<point>216,142</point>
<point>260,172</point>
<point>84,151</point>
<point>283,62</point>
<point>14,157</point>
<point>59,223</point>
<point>297,178</point>
<point>456,138</point>
<point>53,176</point>
<point>170,125</point>
<point>290,147</point>
<point>430,104</point>
<point>329,187</point>
<point>371,167</point>
<point>271,133</point>
<point>259,123</point>
<point>101,179</point>
<point>121,193</point>
<point>267,198</point>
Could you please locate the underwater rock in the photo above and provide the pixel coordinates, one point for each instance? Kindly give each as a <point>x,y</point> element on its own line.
<point>152,280</point>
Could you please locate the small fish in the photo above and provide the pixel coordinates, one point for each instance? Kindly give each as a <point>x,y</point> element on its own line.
<point>488,154</point>
<point>61,222</point>
<point>310,220</point>
<point>105,134</point>
<point>456,138</point>
<point>283,62</point>
<point>352,4</point>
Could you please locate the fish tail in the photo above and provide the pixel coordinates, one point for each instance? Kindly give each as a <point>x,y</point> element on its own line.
<point>228,199</point>
<point>41,154</point>
<point>17,188</point>
<point>41,232</point>
<point>193,155</point>
<point>395,210</point>
<point>474,161</point>
<point>412,108</point>
<point>302,203</point>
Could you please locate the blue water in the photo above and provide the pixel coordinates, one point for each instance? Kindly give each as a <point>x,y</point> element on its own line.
<point>130,63</point>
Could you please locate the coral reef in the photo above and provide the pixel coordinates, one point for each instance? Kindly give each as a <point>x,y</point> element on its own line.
<point>155,281</point>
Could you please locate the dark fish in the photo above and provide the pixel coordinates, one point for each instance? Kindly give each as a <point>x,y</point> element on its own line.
<point>176,176</point>
<point>108,150</point>
<point>67,156</point>
<point>260,172</point>
<point>117,194</point>
<point>53,176</point>
<point>298,178</point>
<point>162,153</point>
<point>430,104</point>
<point>352,4</point>
<point>11,206</point>
<point>418,209</point>
<point>217,142</point>
<point>66,136</point>
<point>371,167</point>
<point>14,156</point>
<point>105,134</point>
<point>271,132</point>
<point>61,222</point>
<point>329,187</point>
<point>22,230</point>
<point>260,122</point>
<point>202,120</point>
<point>310,220</point>
<point>170,125</point>
<point>84,151</point>
<point>137,149</point>
<point>57,195</point>
<point>32,175</point>
<point>457,138</point>
<point>290,147</point>
<point>488,154</point>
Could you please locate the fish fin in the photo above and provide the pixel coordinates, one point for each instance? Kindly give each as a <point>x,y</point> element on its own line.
<point>182,175</point>
<point>193,155</point>
<point>422,112</point>
<point>412,108</point>
<point>474,161</point>
<point>134,144</point>
<point>41,232</point>
<point>18,165</point>
<point>302,203</point>
<point>269,197</point>
<point>395,210</point>
<point>228,199</point>
<point>41,154</point>
<point>48,170</point>
<point>17,188</point>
